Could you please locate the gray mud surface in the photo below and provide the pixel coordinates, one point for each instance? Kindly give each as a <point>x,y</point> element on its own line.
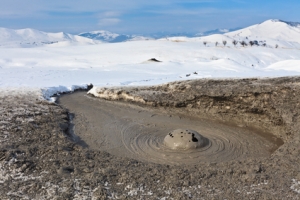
<point>137,132</point>
<point>41,158</point>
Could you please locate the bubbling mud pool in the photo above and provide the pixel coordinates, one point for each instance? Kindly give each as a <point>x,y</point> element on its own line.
<point>137,132</point>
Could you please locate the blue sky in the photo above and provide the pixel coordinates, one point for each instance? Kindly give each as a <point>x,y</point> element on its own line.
<point>142,16</point>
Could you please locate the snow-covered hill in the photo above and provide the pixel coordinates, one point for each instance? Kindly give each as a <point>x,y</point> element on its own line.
<point>271,29</point>
<point>271,33</point>
<point>31,37</point>
<point>127,63</point>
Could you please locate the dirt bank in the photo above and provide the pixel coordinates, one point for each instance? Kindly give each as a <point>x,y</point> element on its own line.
<point>40,159</point>
<point>270,104</point>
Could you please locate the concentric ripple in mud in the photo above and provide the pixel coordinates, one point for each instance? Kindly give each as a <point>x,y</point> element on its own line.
<point>135,132</point>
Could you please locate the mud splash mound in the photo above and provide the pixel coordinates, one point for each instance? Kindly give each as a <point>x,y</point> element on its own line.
<point>50,152</point>
<point>140,133</point>
<point>185,139</point>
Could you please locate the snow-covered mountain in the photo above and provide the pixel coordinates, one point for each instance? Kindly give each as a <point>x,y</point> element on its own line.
<point>31,37</point>
<point>270,33</point>
<point>107,36</point>
<point>160,35</point>
<point>271,29</point>
<point>127,63</point>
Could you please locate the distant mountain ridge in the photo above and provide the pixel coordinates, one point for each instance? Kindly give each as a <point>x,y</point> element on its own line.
<point>30,37</point>
<point>272,30</point>
<point>107,36</point>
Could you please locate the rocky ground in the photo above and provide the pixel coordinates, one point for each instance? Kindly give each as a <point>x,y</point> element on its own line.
<point>39,160</point>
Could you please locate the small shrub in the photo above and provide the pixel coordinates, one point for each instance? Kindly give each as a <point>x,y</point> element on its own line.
<point>243,43</point>
<point>234,42</point>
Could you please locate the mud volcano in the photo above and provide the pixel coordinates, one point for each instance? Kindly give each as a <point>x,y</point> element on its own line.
<point>185,139</point>
<point>117,149</point>
<point>138,132</point>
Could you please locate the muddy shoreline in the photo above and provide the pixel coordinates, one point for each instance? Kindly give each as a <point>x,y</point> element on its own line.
<point>38,160</point>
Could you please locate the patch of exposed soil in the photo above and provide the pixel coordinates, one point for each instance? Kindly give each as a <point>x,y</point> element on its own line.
<point>40,159</point>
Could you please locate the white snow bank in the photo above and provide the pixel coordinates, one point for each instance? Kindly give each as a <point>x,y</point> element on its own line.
<point>39,93</point>
<point>287,65</point>
<point>63,69</point>
<point>48,93</point>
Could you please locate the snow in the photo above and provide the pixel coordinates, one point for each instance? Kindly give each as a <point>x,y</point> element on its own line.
<point>296,186</point>
<point>271,32</point>
<point>31,38</point>
<point>271,29</point>
<point>75,62</point>
<point>288,65</point>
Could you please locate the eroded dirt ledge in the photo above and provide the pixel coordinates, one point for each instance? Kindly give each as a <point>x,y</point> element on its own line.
<point>270,104</point>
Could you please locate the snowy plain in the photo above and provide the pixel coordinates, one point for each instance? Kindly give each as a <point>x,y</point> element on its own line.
<point>74,62</point>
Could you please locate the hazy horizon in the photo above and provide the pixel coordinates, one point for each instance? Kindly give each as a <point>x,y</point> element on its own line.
<point>143,17</point>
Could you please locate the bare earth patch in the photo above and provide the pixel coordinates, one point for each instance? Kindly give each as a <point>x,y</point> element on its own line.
<point>40,158</point>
